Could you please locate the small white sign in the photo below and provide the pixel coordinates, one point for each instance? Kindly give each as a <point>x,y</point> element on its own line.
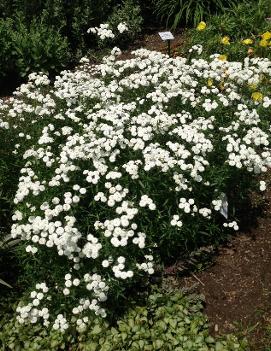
<point>225,206</point>
<point>166,36</point>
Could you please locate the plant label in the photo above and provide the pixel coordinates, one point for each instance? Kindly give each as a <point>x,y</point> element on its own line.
<point>225,207</point>
<point>166,36</point>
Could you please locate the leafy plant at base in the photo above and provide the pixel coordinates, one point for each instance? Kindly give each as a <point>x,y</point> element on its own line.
<point>34,48</point>
<point>165,322</point>
<point>39,48</point>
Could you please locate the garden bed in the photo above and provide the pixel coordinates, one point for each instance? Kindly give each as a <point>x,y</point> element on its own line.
<point>123,167</point>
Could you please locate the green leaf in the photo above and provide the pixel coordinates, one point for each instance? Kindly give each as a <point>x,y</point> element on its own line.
<point>158,343</point>
<point>96,330</point>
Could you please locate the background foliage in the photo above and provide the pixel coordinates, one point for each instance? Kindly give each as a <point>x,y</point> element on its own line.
<point>49,35</point>
<point>183,12</point>
<point>62,27</point>
<point>246,20</point>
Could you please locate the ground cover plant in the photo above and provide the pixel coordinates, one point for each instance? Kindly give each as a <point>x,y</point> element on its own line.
<point>123,166</point>
<point>168,321</point>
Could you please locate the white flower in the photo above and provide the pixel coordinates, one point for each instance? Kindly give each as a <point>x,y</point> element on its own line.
<point>122,27</point>
<point>262,185</point>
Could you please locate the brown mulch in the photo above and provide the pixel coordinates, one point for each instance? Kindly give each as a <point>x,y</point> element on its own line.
<point>237,287</point>
<point>152,41</point>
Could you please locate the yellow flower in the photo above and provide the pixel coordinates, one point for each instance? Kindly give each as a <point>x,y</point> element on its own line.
<point>225,40</point>
<point>201,26</point>
<point>263,43</point>
<point>266,35</point>
<point>210,82</point>
<point>257,96</point>
<point>223,57</point>
<point>247,41</point>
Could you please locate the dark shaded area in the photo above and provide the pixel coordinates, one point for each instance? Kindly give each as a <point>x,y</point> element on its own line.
<point>9,84</point>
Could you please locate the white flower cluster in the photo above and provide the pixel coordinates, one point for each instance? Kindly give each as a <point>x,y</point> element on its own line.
<point>232,224</point>
<point>33,311</point>
<point>104,31</point>
<point>176,221</point>
<point>146,201</point>
<point>217,204</point>
<point>196,48</point>
<point>122,27</point>
<point>148,265</point>
<point>116,152</point>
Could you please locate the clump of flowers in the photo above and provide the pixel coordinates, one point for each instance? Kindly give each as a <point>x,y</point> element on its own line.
<point>122,27</point>
<point>247,41</point>
<point>105,32</point>
<point>125,163</point>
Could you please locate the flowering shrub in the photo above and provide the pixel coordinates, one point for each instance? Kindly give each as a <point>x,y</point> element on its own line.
<point>124,163</point>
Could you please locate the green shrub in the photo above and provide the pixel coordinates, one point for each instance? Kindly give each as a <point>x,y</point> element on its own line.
<point>39,35</point>
<point>183,12</point>
<point>166,322</point>
<point>128,12</point>
<point>71,17</point>
<point>34,48</point>
<point>38,48</point>
<point>6,47</point>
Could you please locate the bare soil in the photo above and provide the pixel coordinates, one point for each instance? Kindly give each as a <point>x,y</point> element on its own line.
<point>151,40</point>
